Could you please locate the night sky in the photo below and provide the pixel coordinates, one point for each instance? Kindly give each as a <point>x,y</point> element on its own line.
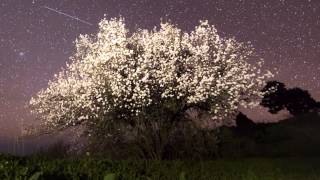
<point>36,40</point>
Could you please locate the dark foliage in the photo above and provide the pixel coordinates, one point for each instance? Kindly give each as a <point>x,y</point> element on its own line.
<point>297,136</point>
<point>57,150</point>
<point>297,101</point>
<point>244,125</point>
<point>274,100</point>
<point>41,168</point>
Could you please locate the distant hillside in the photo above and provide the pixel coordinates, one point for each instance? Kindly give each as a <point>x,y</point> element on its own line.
<point>297,136</point>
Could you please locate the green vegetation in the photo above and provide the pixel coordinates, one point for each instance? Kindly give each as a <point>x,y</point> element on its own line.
<point>37,168</point>
<point>285,150</point>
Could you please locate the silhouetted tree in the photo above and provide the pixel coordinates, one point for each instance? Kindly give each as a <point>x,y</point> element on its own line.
<point>244,125</point>
<point>297,101</point>
<point>274,99</point>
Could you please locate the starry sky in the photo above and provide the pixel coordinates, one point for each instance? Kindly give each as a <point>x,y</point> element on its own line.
<point>36,39</point>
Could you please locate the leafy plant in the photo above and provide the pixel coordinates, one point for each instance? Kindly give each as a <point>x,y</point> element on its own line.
<point>110,176</point>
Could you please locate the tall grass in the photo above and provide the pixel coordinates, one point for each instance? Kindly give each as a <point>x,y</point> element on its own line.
<point>36,168</point>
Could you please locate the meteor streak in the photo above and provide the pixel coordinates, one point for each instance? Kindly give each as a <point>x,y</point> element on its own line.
<point>72,17</point>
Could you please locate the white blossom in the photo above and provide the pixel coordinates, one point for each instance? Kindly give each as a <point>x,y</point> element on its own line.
<point>115,69</point>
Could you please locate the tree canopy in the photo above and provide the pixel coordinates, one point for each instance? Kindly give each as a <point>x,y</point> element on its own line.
<point>117,77</point>
<point>297,101</point>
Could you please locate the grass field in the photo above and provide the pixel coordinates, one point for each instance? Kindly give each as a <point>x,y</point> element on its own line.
<point>290,150</point>
<point>33,168</point>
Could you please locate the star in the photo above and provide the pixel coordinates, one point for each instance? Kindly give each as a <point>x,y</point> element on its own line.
<point>21,54</point>
<point>37,37</point>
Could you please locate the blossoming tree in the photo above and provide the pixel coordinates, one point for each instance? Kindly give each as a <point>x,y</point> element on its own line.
<point>151,77</point>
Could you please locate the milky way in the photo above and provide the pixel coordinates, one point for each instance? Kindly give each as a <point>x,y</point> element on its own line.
<point>35,42</point>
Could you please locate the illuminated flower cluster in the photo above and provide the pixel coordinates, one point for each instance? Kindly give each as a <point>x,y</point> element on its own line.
<point>118,71</point>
